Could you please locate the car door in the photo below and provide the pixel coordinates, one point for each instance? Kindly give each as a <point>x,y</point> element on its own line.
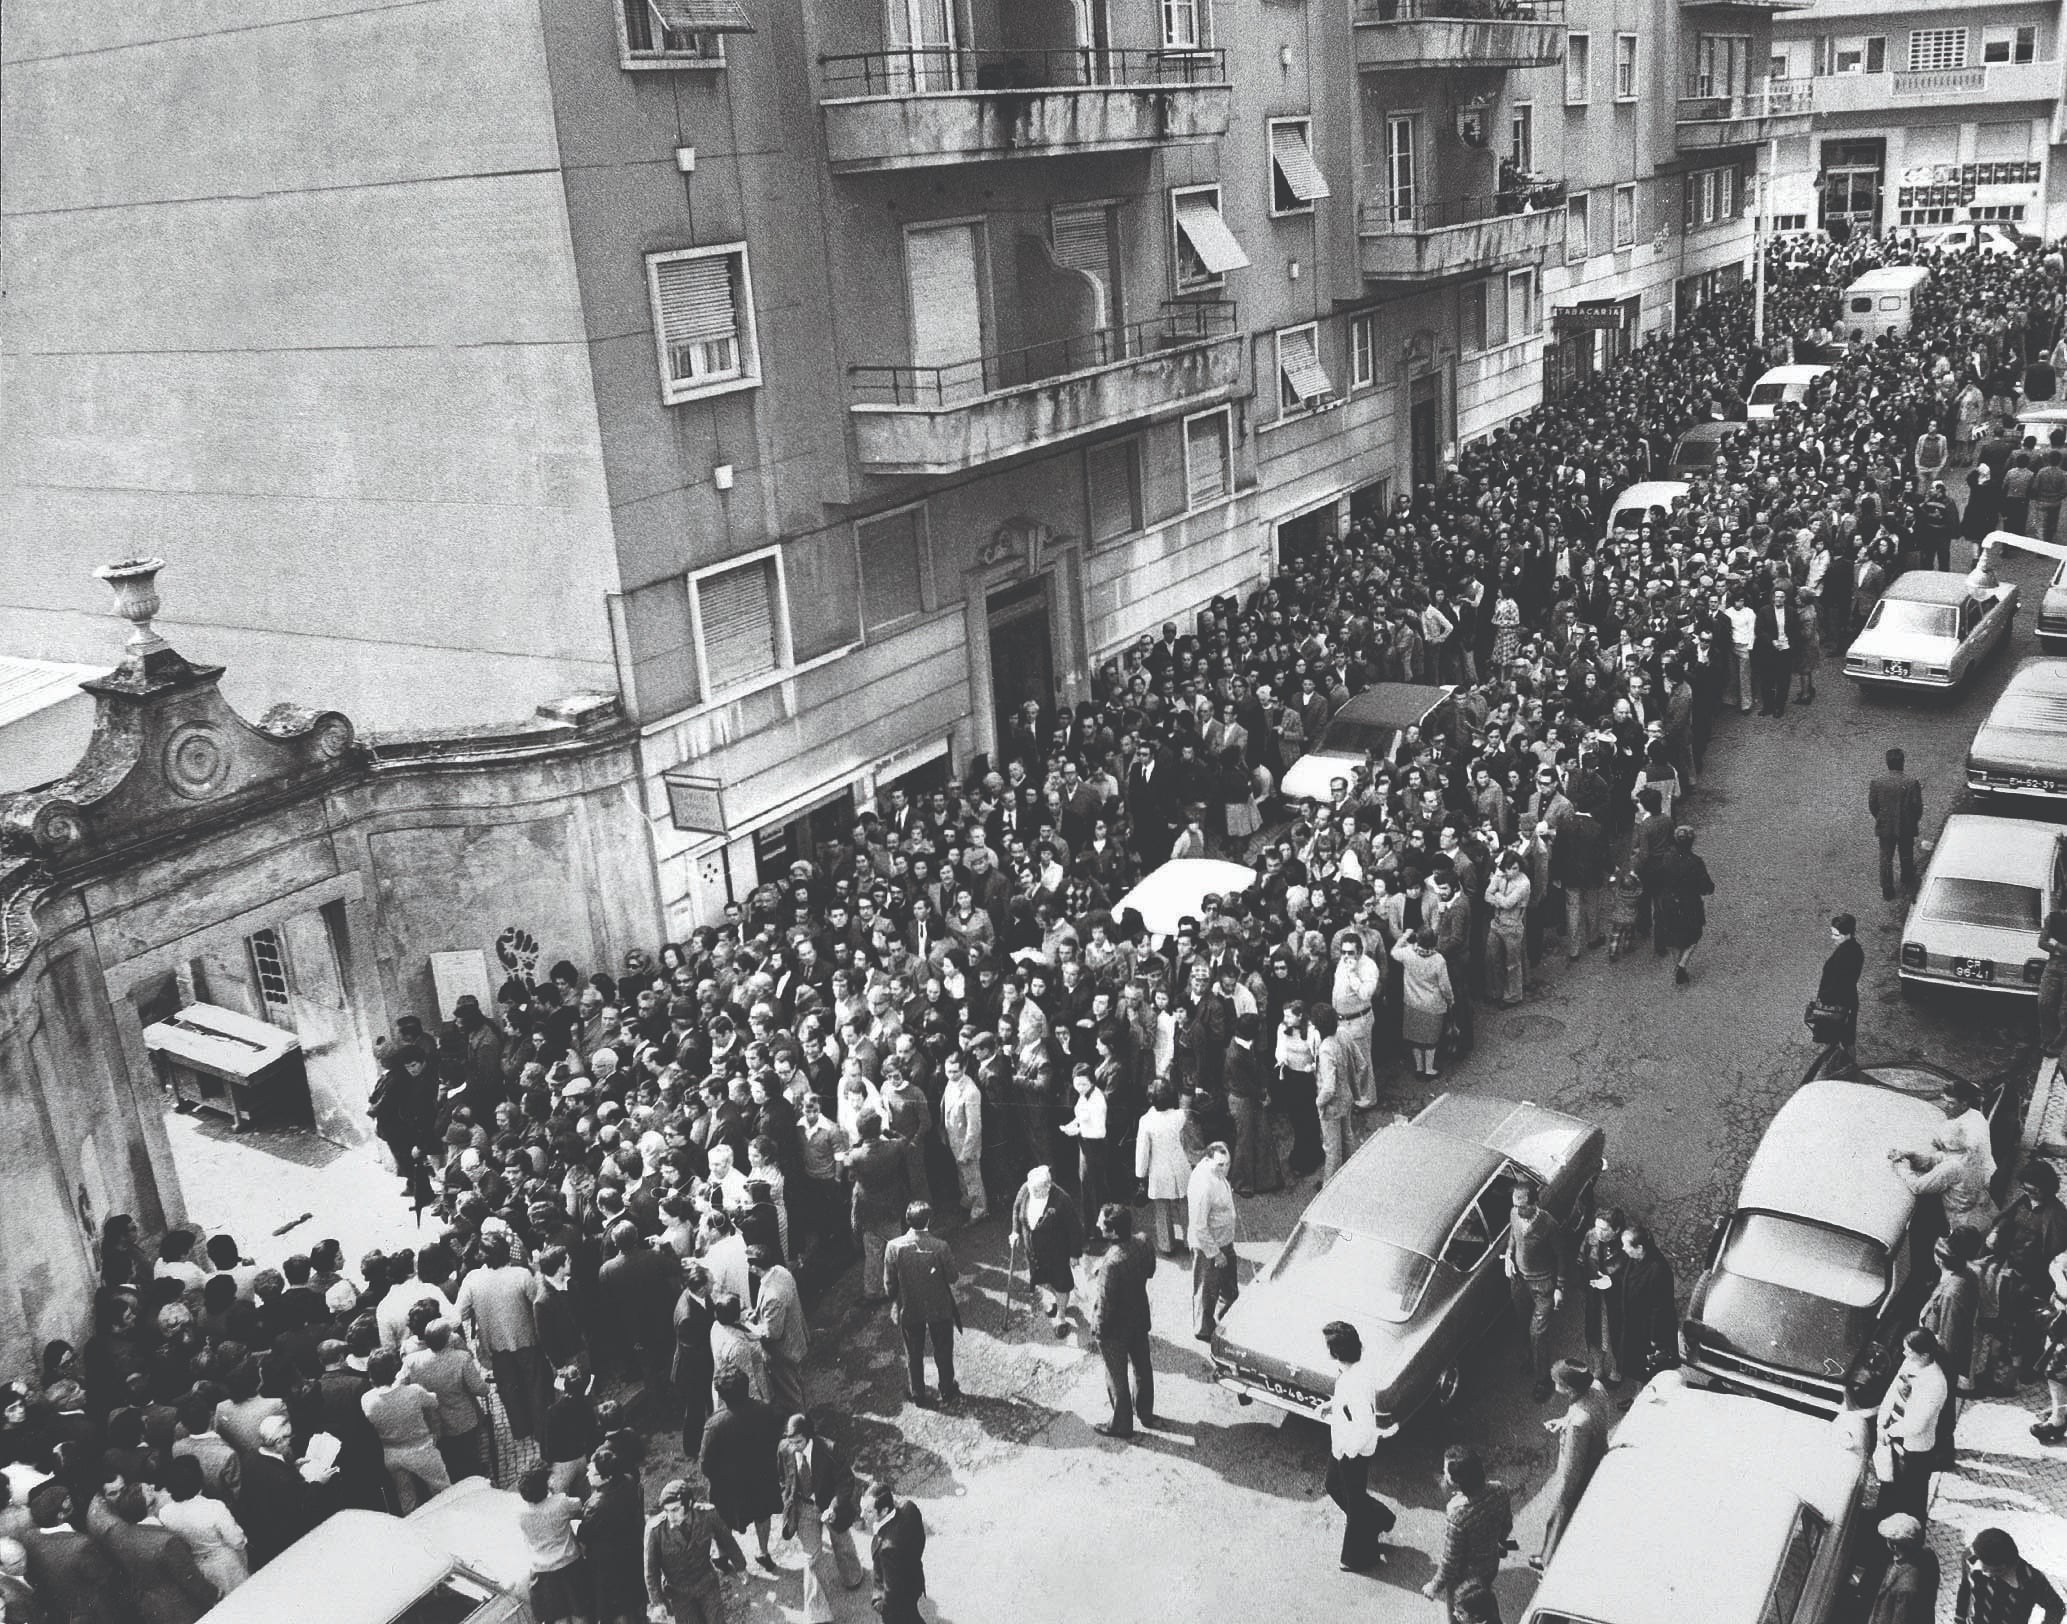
<point>1476,1241</point>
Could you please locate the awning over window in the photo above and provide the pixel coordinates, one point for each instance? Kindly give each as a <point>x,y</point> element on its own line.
<point>1199,219</point>
<point>1294,157</point>
<point>1299,359</point>
<point>701,16</point>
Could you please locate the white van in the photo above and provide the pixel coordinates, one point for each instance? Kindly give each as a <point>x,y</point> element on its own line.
<point>1710,1506</point>
<point>1788,385</point>
<point>1882,301</point>
<point>1632,508</point>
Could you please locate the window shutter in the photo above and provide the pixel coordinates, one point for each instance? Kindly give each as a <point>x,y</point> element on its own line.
<point>891,571</point>
<point>1198,217</point>
<point>1291,151</point>
<point>696,298</point>
<point>1205,478</point>
<point>737,608</point>
<point>702,16</point>
<point>1299,360</point>
<point>1083,242</point>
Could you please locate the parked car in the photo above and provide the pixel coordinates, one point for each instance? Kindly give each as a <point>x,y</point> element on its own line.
<point>1405,1244</point>
<point>2052,613</point>
<point>2021,750</point>
<point>1994,237</point>
<point>1788,385</point>
<point>1817,1273</point>
<point>1986,891</point>
<point>1370,724</point>
<point>1629,510</point>
<point>1930,629</point>
<point>1709,1506</point>
<point>1696,450</point>
<point>457,1559</point>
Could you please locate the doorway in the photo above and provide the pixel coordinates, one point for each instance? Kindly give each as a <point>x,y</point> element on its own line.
<point>1022,651</point>
<point>1853,178</point>
<point>1424,428</point>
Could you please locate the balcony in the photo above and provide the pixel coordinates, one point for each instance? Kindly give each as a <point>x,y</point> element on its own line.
<point>1410,34</point>
<point>1777,109</point>
<point>1745,5</point>
<point>923,106</point>
<point>1431,242</point>
<point>1883,93</point>
<point>944,419</point>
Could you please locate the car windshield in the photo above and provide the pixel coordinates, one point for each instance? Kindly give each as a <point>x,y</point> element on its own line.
<point>1999,904</point>
<point>1630,517</point>
<point>1346,737</point>
<point>1335,1266</point>
<point>1767,394</point>
<point>1916,619</point>
<point>1696,453</point>
<point>1849,1270</point>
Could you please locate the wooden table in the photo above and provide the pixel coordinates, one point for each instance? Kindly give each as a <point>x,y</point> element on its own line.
<point>218,1060</point>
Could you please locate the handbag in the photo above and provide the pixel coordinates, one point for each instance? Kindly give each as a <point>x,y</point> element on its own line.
<point>1884,1460</point>
<point>1826,1022</point>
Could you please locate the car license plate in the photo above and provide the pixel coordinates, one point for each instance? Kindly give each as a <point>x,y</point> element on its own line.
<point>2031,783</point>
<point>1894,668</point>
<point>1973,970</point>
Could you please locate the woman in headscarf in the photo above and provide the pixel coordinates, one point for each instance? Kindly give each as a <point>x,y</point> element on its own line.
<point>1048,1233</point>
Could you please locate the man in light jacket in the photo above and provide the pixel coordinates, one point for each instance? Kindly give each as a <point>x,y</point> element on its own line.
<point>1211,1231</point>
<point>1908,1424</point>
<point>1339,1064</point>
<point>961,1120</point>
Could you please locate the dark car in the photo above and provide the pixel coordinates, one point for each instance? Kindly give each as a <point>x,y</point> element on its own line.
<point>1815,1277</point>
<point>1696,450</point>
<point>1405,1244</point>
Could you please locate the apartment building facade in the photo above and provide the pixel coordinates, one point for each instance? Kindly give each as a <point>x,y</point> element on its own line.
<point>1924,115</point>
<point>822,379</point>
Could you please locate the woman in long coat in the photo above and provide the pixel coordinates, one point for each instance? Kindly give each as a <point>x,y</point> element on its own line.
<point>1047,1228</point>
<point>1162,1166</point>
<point>1645,1319</point>
<point>1679,880</point>
<point>741,1442</point>
<point>613,1536</point>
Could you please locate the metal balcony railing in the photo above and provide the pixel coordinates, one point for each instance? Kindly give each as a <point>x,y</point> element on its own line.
<point>919,70</point>
<point>1775,98</point>
<point>1397,217</point>
<point>1368,12</point>
<point>960,382</point>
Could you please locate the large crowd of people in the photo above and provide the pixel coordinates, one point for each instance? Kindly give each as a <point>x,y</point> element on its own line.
<point>639,1179</point>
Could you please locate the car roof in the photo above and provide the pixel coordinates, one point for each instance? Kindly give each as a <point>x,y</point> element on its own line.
<point>1394,704</point>
<point>477,1522</point>
<point>1413,1181</point>
<point>1889,276</point>
<point>358,1567</point>
<point>1975,846</point>
<point>1930,586</point>
<point>2033,700</point>
<point>1650,493</point>
<point>1707,1485</point>
<point>1803,373</point>
<point>1728,428</point>
<point>1824,1157</point>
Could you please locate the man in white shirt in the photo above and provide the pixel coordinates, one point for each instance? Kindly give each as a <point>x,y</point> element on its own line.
<point>1357,982</point>
<point>1352,1441</point>
<point>1908,1423</point>
<point>961,1120</point>
<point>1211,1231</point>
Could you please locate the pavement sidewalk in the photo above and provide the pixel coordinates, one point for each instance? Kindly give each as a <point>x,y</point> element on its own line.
<point>2002,1476</point>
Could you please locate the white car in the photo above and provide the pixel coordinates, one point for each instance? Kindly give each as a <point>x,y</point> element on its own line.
<point>1789,385</point>
<point>1629,510</point>
<point>1930,629</point>
<point>2052,613</point>
<point>1990,236</point>
<point>2021,750</point>
<point>1990,884</point>
<point>1371,724</point>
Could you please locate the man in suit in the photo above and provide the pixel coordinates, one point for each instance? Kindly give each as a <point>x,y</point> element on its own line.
<point>363,1480</point>
<point>157,1563</point>
<point>920,1271</point>
<point>278,1505</point>
<point>72,1575</point>
<point>1896,802</point>
<point>1121,1319</point>
<point>637,1291</point>
<point>1839,986</point>
<point>899,1551</point>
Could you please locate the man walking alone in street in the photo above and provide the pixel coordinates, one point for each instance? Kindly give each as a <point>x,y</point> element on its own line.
<point>1896,802</point>
<point>1352,1441</point>
<point>1476,1525</point>
<point>921,1274</point>
<point>1211,1232</point>
<point>1120,1319</point>
<point>1535,1268</point>
<point>1839,987</point>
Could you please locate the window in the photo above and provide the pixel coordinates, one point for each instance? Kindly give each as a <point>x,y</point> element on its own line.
<point>1184,25</point>
<point>1625,67</point>
<point>1721,65</point>
<point>1577,245</point>
<point>1521,137</point>
<point>1790,222</point>
<point>1399,169</point>
<point>703,321</point>
<point>738,629</point>
<point>1856,53</point>
<point>1303,383</point>
<point>1791,1583</point>
<point>1578,69</point>
<point>1776,67</point>
<point>1934,49</point>
<point>1521,305</point>
<point>1296,181</point>
<point>1206,249</point>
<point>1473,324</point>
<point>678,33</point>
<point>1112,476</point>
<point>1726,194</point>
<point>1208,458</point>
<point>1363,351</point>
<point>893,568</point>
<point>1625,216</point>
<point>2009,44</point>
<point>1995,211</point>
<point>1084,238</point>
<point>269,972</point>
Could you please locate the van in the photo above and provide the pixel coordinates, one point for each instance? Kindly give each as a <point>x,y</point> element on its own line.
<point>1709,1506</point>
<point>1632,509</point>
<point>459,1558</point>
<point>1882,302</point>
<point>1788,386</point>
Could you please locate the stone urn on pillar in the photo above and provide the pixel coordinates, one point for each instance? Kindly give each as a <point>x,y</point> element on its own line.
<point>135,581</point>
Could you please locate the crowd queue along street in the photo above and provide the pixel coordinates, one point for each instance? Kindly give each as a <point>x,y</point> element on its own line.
<point>1486,1078</point>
